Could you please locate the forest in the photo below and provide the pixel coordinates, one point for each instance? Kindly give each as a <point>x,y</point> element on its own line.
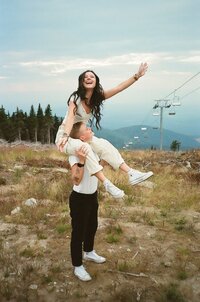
<point>37,126</point>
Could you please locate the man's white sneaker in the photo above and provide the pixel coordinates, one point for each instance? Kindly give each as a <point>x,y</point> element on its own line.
<point>135,177</point>
<point>81,273</point>
<point>113,190</point>
<point>92,256</point>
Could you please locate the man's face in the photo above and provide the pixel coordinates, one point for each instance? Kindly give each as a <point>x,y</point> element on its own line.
<point>85,133</point>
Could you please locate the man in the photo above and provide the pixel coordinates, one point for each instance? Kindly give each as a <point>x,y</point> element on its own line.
<point>83,204</point>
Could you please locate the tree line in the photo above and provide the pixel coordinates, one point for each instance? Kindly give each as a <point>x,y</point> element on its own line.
<point>37,126</point>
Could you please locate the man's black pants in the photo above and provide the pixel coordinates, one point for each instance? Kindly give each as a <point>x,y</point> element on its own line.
<point>84,221</point>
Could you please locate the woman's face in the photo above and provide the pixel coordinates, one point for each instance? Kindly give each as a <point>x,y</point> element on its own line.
<point>89,80</point>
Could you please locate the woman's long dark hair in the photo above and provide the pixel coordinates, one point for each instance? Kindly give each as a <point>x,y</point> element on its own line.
<point>96,101</point>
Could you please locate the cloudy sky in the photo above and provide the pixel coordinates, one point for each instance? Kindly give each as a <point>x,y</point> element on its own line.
<point>45,45</point>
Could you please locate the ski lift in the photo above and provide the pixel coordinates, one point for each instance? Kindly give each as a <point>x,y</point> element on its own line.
<point>172,111</point>
<point>176,101</point>
<point>176,104</point>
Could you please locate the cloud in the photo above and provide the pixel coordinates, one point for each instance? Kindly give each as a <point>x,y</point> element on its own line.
<point>59,66</point>
<point>191,59</point>
<point>175,73</point>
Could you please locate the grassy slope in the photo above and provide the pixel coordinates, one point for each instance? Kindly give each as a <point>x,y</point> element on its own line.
<point>154,232</point>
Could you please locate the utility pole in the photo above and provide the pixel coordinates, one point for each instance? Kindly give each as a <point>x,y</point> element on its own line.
<point>161,128</point>
<point>161,104</point>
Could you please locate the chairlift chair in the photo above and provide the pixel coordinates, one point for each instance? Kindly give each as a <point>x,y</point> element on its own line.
<point>176,101</point>
<point>172,112</point>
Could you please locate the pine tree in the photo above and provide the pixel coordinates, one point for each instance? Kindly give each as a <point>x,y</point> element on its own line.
<point>48,120</point>
<point>3,123</point>
<point>40,121</point>
<point>57,123</point>
<point>33,125</point>
<point>175,145</point>
<point>19,122</point>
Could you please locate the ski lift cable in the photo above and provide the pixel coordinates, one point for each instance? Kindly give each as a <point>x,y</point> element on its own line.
<point>184,96</point>
<point>149,113</point>
<point>190,79</point>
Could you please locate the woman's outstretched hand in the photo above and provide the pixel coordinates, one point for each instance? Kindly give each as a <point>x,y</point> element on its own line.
<point>142,69</point>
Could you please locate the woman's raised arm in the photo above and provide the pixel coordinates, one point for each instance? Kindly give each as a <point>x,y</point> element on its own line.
<point>122,86</point>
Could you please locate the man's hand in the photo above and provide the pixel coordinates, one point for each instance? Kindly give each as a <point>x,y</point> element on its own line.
<point>81,153</point>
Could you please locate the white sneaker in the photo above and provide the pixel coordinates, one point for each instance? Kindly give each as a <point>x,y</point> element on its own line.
<point>81,273</point>
<point>113,190</point>
<point>92,256</point>
<point>135,177</point>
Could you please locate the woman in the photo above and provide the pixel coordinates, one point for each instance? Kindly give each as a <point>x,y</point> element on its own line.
<point>84,105</point>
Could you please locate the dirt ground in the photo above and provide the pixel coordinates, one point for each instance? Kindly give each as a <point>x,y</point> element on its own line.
<point>151,239</point>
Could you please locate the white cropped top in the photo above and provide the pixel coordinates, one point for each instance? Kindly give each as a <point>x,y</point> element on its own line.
<point>81,115</point>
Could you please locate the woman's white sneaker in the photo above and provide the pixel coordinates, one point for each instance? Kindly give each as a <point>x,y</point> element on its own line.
<point>135,177</point>
<point>113,190</point>
<point>93,256</point>
<point>81,273</point>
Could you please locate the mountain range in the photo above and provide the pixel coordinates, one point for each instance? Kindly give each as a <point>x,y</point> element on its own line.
<point>146,137</point>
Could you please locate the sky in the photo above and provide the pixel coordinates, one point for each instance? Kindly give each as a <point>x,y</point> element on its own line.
<point>45,45</point>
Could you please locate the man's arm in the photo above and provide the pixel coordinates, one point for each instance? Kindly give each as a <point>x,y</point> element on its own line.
<point>78,168</point>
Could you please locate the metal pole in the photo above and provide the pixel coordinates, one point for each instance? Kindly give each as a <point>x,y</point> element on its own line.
<point>161,127</point>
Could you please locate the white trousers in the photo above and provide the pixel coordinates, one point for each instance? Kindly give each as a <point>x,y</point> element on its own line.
<point>103,148</point>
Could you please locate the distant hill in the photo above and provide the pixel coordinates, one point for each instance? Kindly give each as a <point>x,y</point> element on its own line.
<point>134,137</point>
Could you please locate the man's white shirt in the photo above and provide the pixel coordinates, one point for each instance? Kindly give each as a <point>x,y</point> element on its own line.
<point>88,184</point>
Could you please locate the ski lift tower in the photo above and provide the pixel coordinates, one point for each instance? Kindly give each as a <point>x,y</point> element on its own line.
<point>161,104</point>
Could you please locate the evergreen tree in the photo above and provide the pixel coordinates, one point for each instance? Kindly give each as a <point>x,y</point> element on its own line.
<point>18,119</point>
<point>57,123</point>
<point>175,145</point>
<point>33,125</point>
<point>41,126</point>
<point>3,123</point>
<point>48,121</point>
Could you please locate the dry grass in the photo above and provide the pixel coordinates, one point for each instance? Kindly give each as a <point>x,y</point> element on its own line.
<point>153,231</point>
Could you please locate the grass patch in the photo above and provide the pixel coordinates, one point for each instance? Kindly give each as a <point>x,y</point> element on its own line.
<point>41,235</point>
<point>145,217</point>
<point>113,233</point>
<point>28,252</point>
<point>182,275</point>
<point>180,224</point>
<point>63,228</point>
<point>124,265</point>
<point>171,293</point>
